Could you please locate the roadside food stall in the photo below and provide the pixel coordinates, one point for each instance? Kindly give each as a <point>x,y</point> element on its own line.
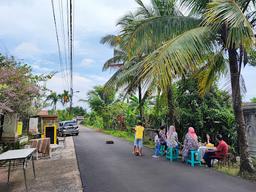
<point>44,125</point>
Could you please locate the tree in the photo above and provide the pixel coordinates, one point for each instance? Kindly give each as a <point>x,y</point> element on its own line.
<point>99,101</point>
<point>78,111</point>
<point>211,114</point>
<point>253,99</point>
<point>227,31</point>
<point>20,90</point>
<point>64,97</point>
<point>53,98</point>
<point>129,23</point>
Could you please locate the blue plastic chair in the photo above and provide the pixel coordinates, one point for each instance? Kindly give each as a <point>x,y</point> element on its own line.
<point>162,148</point>
<point>157,150</point>
<point>172,153</point>
<point>194,158</point>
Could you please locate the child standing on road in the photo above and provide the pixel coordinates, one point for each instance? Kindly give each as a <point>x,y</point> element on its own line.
<point>138,141</point>
<point>157,144</point>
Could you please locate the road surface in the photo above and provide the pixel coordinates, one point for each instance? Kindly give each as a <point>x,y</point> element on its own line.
<point>113,168</point>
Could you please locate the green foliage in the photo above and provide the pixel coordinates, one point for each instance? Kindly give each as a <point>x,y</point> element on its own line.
<point>210,114</point>
<point>253,99</point>
<point>53,98</point>
<point>64,115</point>
<point>78,111</point>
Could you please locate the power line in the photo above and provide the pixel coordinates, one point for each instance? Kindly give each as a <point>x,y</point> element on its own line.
<point>71,51</point>
<point>66,73</point>
<point>57,35</point>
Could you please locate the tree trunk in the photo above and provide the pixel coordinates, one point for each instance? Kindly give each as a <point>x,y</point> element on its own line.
<point>170,115</point>
<point>245,165</point>
<point>1,125</point>
<point>140,103</point>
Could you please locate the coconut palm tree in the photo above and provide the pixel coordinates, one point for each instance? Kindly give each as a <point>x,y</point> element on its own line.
<point>64,97</point>
<point>222,37</point>
<point>158,8</point>
<point>53,98</point>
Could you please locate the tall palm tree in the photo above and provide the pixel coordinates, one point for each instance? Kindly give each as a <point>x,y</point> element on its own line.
<point>53,98</point>
<point>120,63</point>
<point>158,8</point>
<point>224,29</point>
<point>64,97</point>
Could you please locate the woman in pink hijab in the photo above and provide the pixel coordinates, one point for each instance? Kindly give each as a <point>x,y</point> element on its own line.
<point>190,143</point>
<point>192,133</point>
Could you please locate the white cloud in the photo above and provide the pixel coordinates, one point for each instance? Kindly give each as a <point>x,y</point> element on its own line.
<point>27,49</point>
<point>29,24</point>
<point>39,69</point>
<point>87,62</point>
<point>81,84</point>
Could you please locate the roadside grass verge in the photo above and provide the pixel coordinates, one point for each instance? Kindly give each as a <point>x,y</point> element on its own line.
<point>126,135</point>
<point>234,171</point>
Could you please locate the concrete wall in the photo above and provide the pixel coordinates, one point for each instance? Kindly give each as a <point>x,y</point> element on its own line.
<point>10,127</point>
<point>249,110</point>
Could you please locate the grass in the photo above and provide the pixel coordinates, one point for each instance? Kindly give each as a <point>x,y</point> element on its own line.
<point>128,136</point>
<point>234,171</point>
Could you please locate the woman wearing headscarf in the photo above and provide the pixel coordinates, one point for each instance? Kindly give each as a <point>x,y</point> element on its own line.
<point>172,137</point>
<point>190,143</point>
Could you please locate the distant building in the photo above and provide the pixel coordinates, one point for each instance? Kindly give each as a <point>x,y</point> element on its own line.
<point>249,110</point>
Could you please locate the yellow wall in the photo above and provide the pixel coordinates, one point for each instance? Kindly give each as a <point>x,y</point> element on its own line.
<point>55,132</point>
<point>19,128</point>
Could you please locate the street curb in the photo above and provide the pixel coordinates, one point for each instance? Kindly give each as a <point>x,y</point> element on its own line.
<point>77,166</point>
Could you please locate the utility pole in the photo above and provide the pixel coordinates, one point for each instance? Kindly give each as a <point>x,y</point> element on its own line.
<point>71,54</point>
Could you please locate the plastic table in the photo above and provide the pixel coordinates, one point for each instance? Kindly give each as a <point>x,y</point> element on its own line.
<point>19,154</point>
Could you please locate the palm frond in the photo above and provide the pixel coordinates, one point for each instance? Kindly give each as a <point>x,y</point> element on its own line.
<point>176,56</point>
<point>210,72</point>
<point>112,82</point>
<point>196,6</point>
<point>228,13</point>
<point>150,33</point>
<point>126,20</point>
<point>113,63</point>
<point>143,10</point>
<point>111,40</point>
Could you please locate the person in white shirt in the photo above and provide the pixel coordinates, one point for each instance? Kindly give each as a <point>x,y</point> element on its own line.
<point>157,144</point>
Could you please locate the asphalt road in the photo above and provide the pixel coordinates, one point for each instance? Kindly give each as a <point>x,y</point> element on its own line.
<point>113,168</point>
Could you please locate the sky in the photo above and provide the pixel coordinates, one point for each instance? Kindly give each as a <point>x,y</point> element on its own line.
<point>28,33</point>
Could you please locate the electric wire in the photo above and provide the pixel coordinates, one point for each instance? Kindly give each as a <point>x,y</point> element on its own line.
<point>65,71</point>
<point>57,38</point>
<point>71,50</point>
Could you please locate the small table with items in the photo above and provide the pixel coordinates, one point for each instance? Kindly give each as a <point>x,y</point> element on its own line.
<point>19,154</point>
<point>203,149</point>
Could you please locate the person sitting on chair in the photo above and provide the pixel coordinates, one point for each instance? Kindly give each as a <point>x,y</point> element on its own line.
<point>172,137</point>
<point>190,143</point>
<point>163,138</point>
<point>218,153</point>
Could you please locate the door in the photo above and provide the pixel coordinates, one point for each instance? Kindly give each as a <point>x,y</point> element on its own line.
<point>50,133</point>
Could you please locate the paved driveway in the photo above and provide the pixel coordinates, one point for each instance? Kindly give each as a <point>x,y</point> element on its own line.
<point>113,168</point>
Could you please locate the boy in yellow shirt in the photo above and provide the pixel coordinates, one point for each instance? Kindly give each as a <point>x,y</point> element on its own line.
<point>138,141</point>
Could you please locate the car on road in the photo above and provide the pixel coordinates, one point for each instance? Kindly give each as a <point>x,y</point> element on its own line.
<point>68,128</point>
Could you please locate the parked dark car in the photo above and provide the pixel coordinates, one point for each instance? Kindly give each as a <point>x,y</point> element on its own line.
<point>68,128</point>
